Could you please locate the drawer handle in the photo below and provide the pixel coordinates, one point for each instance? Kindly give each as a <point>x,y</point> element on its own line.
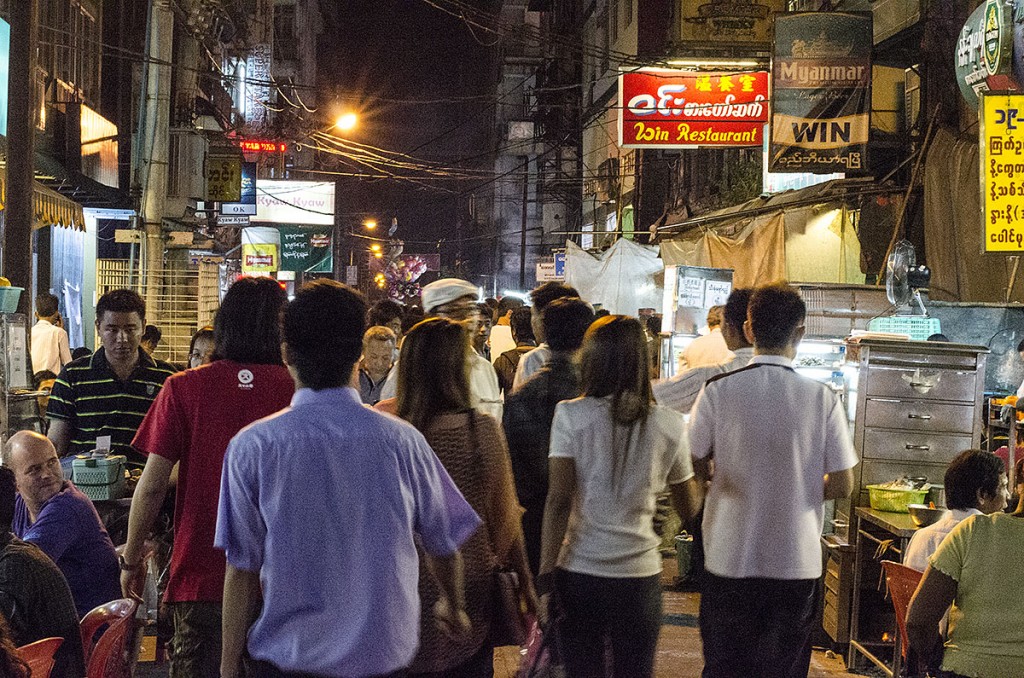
<point>925,417</point>
<point>923,448</point>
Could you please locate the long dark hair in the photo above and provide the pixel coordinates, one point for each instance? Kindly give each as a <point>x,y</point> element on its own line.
<point>247,328</point>
<point>433,371</point>
<point>614,364</point>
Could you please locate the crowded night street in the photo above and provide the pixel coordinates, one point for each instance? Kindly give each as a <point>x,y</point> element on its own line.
<point>511,338</point>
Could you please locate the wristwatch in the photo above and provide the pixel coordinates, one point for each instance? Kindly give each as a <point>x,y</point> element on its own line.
<point>123,564</point>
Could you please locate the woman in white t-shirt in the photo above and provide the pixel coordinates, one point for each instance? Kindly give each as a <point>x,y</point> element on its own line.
<point>612,452</point>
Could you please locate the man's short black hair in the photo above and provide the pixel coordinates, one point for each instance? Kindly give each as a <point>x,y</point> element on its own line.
<point>384,311</point>
<point>970,471</point>
<point>565,322</point>
<point>735,311</point>
<point>247,327</point>
<point>46,305</point>
<point>323,328</point>
<point>152,334</point>
<point>120,301</point>
<point>519,321</point>
<point>545,293</point>
<point>775,311</point>
<point>8,490</point>
<point>506,304</point>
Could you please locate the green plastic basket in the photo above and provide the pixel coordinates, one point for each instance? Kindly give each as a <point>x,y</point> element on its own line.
<point>894,501</point>
<point>916,327</point>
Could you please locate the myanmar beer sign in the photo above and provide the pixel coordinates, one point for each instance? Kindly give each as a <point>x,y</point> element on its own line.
<point>984,51</point>
<point>666,108</point>
<point>821,93</point>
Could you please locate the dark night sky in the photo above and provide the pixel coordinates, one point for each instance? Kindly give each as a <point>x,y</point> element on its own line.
<point>405,49</point>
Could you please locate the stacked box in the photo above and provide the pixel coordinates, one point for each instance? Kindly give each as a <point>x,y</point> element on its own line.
<point>100,478</point>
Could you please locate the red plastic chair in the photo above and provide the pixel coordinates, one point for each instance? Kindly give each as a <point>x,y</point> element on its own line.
<point>902,581</point>
<point>40,656</point>
<point>115,641</point>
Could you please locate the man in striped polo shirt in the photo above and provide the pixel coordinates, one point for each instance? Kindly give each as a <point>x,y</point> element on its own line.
<point>109,392</point>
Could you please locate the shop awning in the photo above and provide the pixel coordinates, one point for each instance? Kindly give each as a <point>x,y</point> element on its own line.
<point>49,207</point>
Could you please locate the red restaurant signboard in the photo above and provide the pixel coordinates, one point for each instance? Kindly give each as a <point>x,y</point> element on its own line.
<point>664,108</point>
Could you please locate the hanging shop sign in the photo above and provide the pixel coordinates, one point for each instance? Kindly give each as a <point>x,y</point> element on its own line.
<point>295,202</point>
<point>821,93</point>
<point>246,205</point>
<point>257,88</point>
<point>223,178</point>
<point>306,250</point>
<point>717,24</point>
<point>984,51</point>
<point>1002,172</point>
<point>261,250</point>
<point>665,108</point>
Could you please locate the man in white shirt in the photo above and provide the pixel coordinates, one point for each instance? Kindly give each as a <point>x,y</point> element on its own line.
<point>680,392</point>
<point>456,300</point>
<point>710,349</point>
<point>541,296</point>
<point>50,346</point>
<point>775,446</point>
<point>975,483</point>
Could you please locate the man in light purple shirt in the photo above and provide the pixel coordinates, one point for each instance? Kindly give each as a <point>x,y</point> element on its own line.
<point>318,510</point>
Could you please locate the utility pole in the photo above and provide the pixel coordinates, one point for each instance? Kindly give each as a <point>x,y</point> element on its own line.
<point>153,141</point>
<point>18,217</point>
<point>522,229</point>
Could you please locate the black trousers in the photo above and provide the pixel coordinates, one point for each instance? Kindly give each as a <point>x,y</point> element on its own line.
<point>605,613</point>
<point>756,627</point>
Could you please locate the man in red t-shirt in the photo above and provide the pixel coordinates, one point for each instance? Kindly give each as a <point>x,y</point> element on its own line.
<point>190,424</point>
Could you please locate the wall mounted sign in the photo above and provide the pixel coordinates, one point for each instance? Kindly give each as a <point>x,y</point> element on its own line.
<point>1002,172</point>
<point>725,23</point>
<point>281,201</point>
<point>666,108</point>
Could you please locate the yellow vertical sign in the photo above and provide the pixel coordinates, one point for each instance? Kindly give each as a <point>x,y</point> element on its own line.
<point>1002,172</point>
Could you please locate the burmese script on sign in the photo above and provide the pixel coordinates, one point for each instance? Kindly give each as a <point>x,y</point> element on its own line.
<point>666,108</point>
<point>1002,172</point>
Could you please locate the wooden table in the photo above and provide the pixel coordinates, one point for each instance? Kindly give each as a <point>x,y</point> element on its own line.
<point>875,528</point>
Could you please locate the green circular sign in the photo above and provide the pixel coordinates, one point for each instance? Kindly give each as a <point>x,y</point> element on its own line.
<point>993,36</point>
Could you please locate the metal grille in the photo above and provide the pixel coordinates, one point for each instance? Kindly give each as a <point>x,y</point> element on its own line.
<point>186,299</point>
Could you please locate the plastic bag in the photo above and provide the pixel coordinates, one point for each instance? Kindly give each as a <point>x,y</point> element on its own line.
<point>539,657</point>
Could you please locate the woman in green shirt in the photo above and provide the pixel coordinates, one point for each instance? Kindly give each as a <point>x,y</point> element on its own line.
<point>975,569</point>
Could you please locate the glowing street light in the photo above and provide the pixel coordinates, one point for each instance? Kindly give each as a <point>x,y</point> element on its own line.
<point>346,122</point>
<point>375,247</point>
<point>370,224</point>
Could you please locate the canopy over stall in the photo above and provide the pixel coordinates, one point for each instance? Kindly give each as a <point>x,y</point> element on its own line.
<point>49,207</point>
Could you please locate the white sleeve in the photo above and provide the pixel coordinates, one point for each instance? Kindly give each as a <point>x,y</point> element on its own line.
<point>562,439</point>
<point>681,469</point>
<point>839,452</point>
<point>701,431</point>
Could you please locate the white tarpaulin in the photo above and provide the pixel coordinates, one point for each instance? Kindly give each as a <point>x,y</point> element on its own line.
<point>621,279</point>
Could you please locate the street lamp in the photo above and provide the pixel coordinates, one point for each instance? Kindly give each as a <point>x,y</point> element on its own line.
<point>370,224</point>
<point>346,122</point>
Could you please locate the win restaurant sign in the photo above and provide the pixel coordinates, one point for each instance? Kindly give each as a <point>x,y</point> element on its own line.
<point>821,92</point>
